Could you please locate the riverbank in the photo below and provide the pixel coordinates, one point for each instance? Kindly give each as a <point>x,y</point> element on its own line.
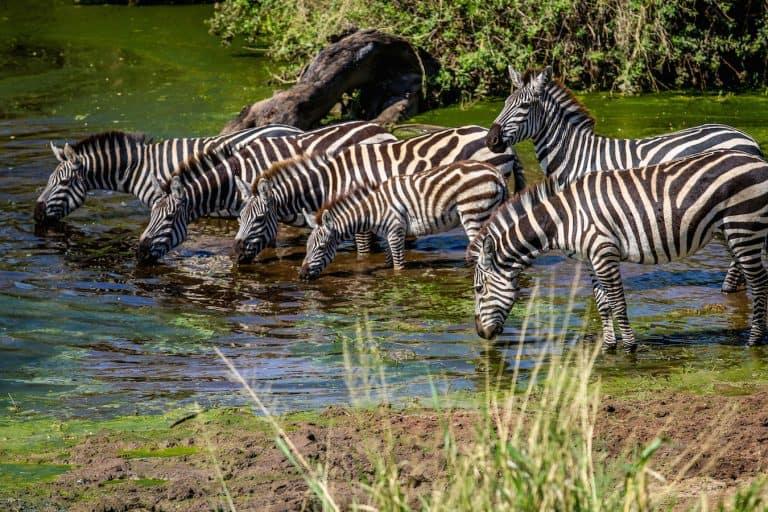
<point>714,444</point>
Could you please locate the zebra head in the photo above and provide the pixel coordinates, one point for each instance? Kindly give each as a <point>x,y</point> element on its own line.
<point>496,287</point>
<point>66,187</point>
<point>322,244</point>
<point>521,117</point>
<point>258,220</point>
<point>168,221</point>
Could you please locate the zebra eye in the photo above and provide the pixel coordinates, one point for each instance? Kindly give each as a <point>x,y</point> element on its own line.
<point>479,288</point>
<point>65,181</point>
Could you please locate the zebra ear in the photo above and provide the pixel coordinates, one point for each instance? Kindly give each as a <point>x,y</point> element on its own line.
<point>542,80</point>
<point>486,251</point>
<point>265,189</point>
<point>157,185</point>
<point>310,219</point>
<point>177,190</point>
<point>57,152</point>
<point>69,153</point>
<point>243,187</point>
<point>515,77</point>
<point>326,218</point>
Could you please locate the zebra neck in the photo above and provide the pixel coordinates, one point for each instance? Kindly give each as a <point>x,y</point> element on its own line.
<point>112,167</point>
<point>356,214</point>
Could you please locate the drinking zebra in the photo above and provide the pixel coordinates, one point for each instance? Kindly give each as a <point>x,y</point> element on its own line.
<point>424,203</point>
<point>204,184</point>
<point>291,187</point>
<point>125,162</point>
<point>563,133</point>
<point>653,214</point>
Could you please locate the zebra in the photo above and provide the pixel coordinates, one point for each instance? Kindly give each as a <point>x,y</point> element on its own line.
<point>125,162</point>
<point>563,134</point>
<point>204,183</point>
<point>652,214</point>
<point>290,187</point>
<point>429,202</point>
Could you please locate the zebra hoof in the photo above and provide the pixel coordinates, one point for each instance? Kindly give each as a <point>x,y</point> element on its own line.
<point>733,289</point>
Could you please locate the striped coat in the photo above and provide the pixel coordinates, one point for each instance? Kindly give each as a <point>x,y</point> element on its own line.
<point>647,215</point>
<point>463,193</point>
<point>205,183</point>
<point>308,182</point>
<point>127,162</point>
<point>567,147</point>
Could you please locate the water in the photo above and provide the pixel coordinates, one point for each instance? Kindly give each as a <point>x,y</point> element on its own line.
<point>84,332</point>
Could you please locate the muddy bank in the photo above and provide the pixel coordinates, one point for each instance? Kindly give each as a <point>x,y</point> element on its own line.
<point>713,445</point>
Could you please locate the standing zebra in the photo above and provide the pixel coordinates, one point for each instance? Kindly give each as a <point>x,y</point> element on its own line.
<point>567,147</point>
<point>126,162</point>
<point>648,215</point>
<point>293,186</point>
<point>205,184</point>
<point>424,203</point>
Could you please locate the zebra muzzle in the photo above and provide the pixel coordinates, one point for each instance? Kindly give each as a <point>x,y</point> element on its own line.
<point>307,273</point>
<point>494,140</point>
<point>238,252</point>
<point>144,253</point>
<point>487,332</point>
<point>40,214</point>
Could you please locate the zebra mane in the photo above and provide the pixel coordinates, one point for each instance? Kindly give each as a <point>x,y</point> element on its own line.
<point>111,136</point>
<point>518,205</point>
<point>286,165</point>
<point>202,160</point>
<point>357,191</point>
<point>575,110</point>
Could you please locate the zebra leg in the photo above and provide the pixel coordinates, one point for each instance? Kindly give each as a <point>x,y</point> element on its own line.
<point>749,259</point>
<point>608,274</point>
<point>396,242</point>
<point>363,243</point>
<point>734,280</point>
<point>604,309</point>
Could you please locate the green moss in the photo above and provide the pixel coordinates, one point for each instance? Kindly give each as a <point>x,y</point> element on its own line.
<point>174,451</point>
<point>16,474</point>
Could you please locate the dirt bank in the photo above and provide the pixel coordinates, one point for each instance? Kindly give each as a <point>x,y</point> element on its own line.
<point>713,445</point>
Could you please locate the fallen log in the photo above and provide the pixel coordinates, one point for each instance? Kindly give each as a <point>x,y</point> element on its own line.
<point>385,71</point>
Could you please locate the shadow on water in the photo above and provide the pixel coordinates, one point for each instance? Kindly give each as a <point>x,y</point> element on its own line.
<point>85,331</point>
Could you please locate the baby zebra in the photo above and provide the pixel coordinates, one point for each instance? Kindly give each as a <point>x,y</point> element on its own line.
<point>648,215</point>
<point>429,202</point>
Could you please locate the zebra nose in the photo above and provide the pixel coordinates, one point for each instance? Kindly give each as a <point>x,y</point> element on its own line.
<point>306,273</point>
<point>238,252</point>
<point>493,139</point>
<point>486,332</point>
<point>144,252</point>
<point>39,211</point>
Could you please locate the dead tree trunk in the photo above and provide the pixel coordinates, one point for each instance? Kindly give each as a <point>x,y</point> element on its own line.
<point>385,69</point>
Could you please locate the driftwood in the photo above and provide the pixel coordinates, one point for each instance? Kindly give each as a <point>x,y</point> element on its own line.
<point>385,69</point>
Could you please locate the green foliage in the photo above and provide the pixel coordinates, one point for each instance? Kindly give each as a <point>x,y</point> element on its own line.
<point>623,45</point>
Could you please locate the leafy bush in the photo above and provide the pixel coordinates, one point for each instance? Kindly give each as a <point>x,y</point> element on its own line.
<point>621,45</point>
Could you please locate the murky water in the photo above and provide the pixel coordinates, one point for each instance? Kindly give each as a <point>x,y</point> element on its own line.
<point>83,331</point>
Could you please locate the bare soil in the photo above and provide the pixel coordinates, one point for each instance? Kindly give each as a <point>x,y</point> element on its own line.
<point>714,444</point>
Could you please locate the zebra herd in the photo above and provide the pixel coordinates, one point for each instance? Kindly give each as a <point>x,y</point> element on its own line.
<point>665,197</point>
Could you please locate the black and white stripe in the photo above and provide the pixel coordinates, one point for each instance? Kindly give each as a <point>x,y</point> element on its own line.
<point>645,215</point>
<point>463,193</point>
<point>563,133</point>
<point>126,162</point>
<point>205,183</point>
<point>305,184</point>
